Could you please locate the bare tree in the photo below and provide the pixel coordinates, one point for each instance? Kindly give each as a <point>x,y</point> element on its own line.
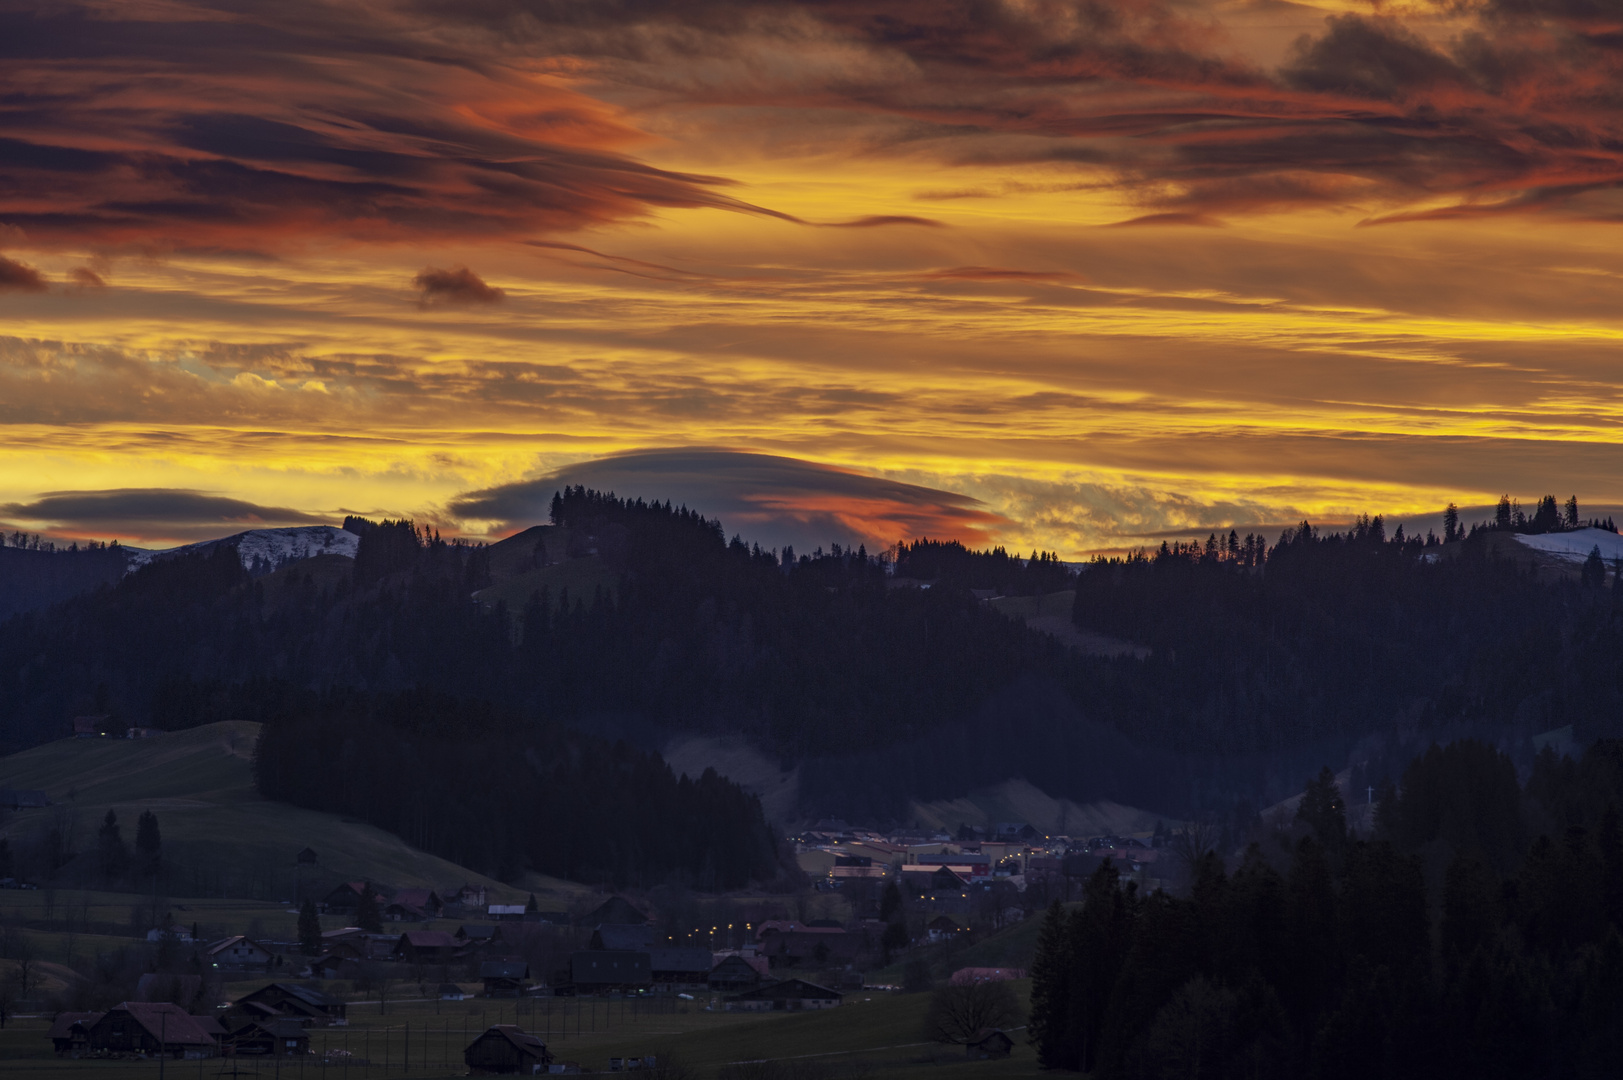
<point>26,976</point>
<point>956,1013</point>
<point>1191,843</point>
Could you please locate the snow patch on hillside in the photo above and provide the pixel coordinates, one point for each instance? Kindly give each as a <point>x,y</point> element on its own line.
<point>265,550</point>
<point>1575,546</point>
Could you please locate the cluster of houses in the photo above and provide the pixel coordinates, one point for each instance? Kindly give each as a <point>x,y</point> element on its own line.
<point>947,875</point>
<point>271,1021</point>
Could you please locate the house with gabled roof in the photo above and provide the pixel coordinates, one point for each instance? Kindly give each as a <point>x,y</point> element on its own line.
<point>599,970</point>
<point>616,909</point>
<point>426,946</point>
<point>506,1049</point>
<point>239,953</point>
<point>623,936</point>
<point>504,978</point>
<point>413,905</point>
<point>346,897</point>
<point>70,1032</point>
<point>294,1001</point>
<point>736,972</point>
<point>142,1027</point>
<point>790,995</point>
<point>680,968</point>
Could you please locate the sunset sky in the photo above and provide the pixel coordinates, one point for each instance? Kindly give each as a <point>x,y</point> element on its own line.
<point>1069,275</point>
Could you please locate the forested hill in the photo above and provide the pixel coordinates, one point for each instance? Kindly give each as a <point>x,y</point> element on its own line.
<point>640,620</point>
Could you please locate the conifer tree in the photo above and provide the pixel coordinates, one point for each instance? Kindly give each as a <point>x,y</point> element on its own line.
<point>1593,575</point>
<point>531,907</point>
<point>148,843</point>
<point>890,902</point>
<point>1049,1023</point>
<point>366,911</point>
<point>1322,810</point>
<point>113,855</point>
<point>309,928</point>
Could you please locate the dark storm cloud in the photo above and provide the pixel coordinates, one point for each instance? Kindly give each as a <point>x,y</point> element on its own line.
<point>249,126</point>
<point>769,500</point>
<point>458,285</point>
<point>150,511</point>
<point>19,277</point>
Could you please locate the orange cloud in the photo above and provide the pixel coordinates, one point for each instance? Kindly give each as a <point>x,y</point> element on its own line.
<point>772,500</point>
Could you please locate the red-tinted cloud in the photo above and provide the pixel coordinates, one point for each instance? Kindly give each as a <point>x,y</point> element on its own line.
<point>771,500</point>
<point>19,277</point>
<point>1522,112</point>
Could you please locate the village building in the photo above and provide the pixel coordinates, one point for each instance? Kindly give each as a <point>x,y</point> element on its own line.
<point>476,934</point>
<point>623,937</point>
<point>238,953</point>
<point>18,799</point>
<point>787,943</point>
<point>346,898</point>
<point>288,1000</point>
<point>680,968</point>
<point>451,992</point>
<point>988,1043</point>
<point>92,727</point>
<point>943,928</point>
<point>413,905</point>
<point>599,971</point>
<point>616,909</point>
<point>269,1038</point>
<point>307,857</point>
<point>790,995</point>
<point>148,1028</point>
<point>333,966</point>
<point>70,1032</point>
<point>505,912</point>
<point>504,978</point>
<point>426,947</point>
<point>505,1049</point>
<point>736,972</point>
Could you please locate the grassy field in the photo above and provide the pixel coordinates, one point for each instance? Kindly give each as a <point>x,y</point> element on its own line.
<point>220,836</point>
<point>873,1034</point>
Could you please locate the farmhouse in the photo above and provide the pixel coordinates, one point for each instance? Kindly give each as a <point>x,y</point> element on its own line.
<point>426,946</point>
<point>505,1050</point>
<point>791,995</point>
<point>787,943</point>
<point>616,909</point>
<point>680,969</point>
<point>70,1032</point>
<point>347,897</point>
<point>288,1000</point>
<point>476,934</point>
<point>623,936</point>
<point>599,970</point>
<point>988,1043</point>
<point>413,905</point>
<point>734,973</point>
<point>269,1038</point>
<point>138,1027</point>
<point>504,978</point>
<point>238,953</point>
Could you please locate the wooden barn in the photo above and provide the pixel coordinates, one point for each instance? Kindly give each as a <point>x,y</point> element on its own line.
<point>506,1050</point>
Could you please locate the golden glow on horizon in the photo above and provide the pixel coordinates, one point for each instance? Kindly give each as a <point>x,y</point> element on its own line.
<point>952,309</point>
